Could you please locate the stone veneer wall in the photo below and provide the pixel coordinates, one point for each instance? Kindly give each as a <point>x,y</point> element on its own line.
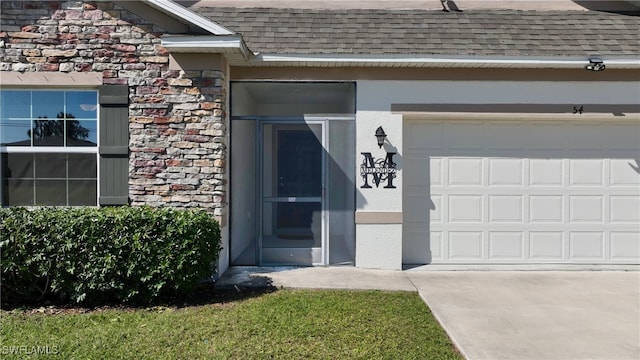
<point>177,120</point>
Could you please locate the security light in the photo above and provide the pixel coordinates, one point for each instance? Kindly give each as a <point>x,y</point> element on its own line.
<point>595,64</point>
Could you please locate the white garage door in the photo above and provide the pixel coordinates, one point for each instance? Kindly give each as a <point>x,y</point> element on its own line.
<point>478,192</point>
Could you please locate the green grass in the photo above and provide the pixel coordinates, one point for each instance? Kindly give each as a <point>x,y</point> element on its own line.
<point>287,324</point>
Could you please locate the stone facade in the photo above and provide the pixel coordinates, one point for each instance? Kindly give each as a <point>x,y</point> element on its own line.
<point>177,119</point>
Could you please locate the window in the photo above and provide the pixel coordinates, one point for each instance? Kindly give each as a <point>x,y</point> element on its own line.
<point>49,147</point>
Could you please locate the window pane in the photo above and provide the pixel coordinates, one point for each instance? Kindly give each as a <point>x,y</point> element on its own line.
<point>51,192</point>
<point>51,166</point>
<point>83,192</point>
<point>82,104</point>
<point>15,104</point>
<point>48,132</point>
<point>17,165</point>
<point>17,192</point>
<point>15,132</point>
<point>48,104</point>
<point>82,133</point>
<point>83,166</point>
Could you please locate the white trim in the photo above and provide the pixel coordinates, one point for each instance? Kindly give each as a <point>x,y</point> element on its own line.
<point>202,42</point>
<point>452,116</point>
<point>448,61</point>
<point>224,44</point>
<point>207,44</point>
<point>189,16</point>
<point>49,149</point>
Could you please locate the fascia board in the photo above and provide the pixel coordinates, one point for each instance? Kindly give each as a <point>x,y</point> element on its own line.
<point>202,42</point>
<point>452,61</point>
<point>209,44</point>
<point>206,44</point>
<point>189,16</point>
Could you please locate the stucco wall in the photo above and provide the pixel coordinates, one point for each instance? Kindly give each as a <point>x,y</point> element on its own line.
<point>378,244</point>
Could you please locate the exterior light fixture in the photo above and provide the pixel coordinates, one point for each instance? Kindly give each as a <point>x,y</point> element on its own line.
<point>380,135</point>
<point>595,64</point>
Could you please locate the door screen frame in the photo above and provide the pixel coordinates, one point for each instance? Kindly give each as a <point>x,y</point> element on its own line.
<point>323,251</point>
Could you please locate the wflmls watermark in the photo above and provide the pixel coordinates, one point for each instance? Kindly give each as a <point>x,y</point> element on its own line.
<point>29,350</point>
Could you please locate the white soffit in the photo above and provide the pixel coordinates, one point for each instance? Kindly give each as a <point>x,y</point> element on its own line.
<point>189,16</point>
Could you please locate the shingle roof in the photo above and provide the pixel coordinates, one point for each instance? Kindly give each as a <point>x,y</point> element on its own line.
<point>425,32</point>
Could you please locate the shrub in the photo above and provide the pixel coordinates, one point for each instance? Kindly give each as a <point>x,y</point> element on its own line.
<point>101,255</point>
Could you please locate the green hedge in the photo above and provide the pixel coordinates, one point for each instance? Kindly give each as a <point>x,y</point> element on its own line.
<point>104,255</point>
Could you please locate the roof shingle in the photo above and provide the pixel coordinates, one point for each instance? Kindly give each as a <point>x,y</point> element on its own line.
<point>427,32</point>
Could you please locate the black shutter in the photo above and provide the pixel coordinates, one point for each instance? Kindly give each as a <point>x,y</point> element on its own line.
<point>114,145</point>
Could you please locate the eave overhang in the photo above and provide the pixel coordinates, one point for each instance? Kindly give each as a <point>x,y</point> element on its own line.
<point>238,54</point>
<point>231,46</point>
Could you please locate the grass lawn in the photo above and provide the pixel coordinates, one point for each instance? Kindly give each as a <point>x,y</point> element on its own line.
<point>287,324</point>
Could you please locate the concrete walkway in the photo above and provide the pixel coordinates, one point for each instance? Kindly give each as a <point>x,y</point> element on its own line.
<point>498,314</point>
<point>316,278</point>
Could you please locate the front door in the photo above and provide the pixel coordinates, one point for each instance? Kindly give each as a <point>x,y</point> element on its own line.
<point>292,194</point>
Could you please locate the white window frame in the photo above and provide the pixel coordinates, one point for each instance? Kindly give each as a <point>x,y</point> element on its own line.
<point>58,149</point>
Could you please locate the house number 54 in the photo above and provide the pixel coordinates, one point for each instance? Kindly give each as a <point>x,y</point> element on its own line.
<point>578,110</point>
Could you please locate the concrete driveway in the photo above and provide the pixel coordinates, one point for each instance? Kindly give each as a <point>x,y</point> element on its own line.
<point>536,315</point>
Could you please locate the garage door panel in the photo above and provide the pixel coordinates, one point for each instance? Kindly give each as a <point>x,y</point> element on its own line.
<point>546,209</point>
<point>506,172</point>
<point>464,136</point>
<point>586,172</point>
<point>465,245</point>
<point>625,245</point>
<point>506,208</point>
<point>569,192</point>
<point>586,245</point>
<point>465,172</point>
<point>506,245</point>
<point>625,172</point>
<point>437,247</point>
<point>625,209</point>
<point>546,172</point>
<point>437,210</point>
<point>586,208</point>
<point>546,245</point>
<point>436,172</point>
<point>465,208</point>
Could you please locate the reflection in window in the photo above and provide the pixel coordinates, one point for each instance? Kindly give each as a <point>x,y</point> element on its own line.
<point>48,118</point>
<point>31,123</point>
